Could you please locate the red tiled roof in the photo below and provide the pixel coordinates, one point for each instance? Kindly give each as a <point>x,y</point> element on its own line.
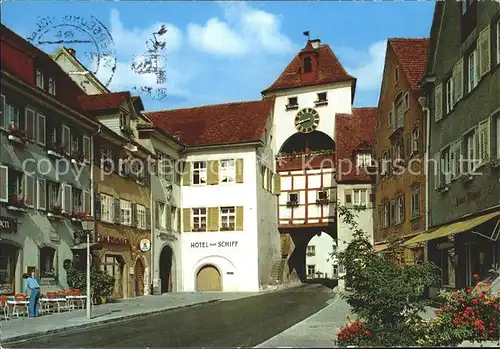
<point>329,71</point>
<point>237,122</point>
<point>412,57</point>
<point>106,101</point>
<point>353,131</point>
<point>20,58</point>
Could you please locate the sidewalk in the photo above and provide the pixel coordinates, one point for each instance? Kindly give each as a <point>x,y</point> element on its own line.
<point>22,328</point>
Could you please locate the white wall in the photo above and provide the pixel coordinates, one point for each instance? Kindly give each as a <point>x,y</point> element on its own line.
<point>240,259</point>
<point>339,101</point>
<point>322,259</point>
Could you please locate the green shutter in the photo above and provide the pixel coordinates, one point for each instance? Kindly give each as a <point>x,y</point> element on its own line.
<point>178,214</point>
<point>213,219</point>
<point>239,218</point>
<point>277,184</point>
<point>213,172</point>
<point>186,175</point>
<point>169,217</point>
<point>239,170</point>
<point>186,219</point>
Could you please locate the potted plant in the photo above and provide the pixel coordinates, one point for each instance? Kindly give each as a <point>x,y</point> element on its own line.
<point>77,157</point>
<point>20,134</point>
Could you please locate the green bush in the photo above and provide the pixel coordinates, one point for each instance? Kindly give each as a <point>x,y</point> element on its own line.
<point>101,283</point>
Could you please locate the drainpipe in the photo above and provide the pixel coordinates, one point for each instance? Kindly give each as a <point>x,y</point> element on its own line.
<point>92,189</point>
<point>425,108</point>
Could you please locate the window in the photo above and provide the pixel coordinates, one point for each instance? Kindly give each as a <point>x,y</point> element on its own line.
<point>396,75</point>
<point>322,97</point>
<point>363,160</point>
<point>15,183</point>
<point>199,219</point>
<point>52,86</point>
<point>77,196</point>
<point>415,140</point>
<point>400,210</point>
<point>199,172</point>
<point>227,216</point>
<point>400,108</point>
<point>322,195</point>
<point>385,164</point>
<point>293,197</point>
<point>165,165</point>
<point>107,207</point>
<point>161,221</point>
<point>39,78</point>
<point>473,70</point>
<point>141,217</point>
<point>307,65</point>
<point>47,265</point>
<point>446,164</point>
<point>397,151</point>
<point>53,195</point>
<point>415,202</point>
<point>450,93</point>
<point>386,214</point>
<point>390,117</point>
<point>293,102</point>
<point>448,267</point>
<point>311,251</point>
<point>76,143</point>
<point>126,212</point>
<point>393,210</point>
<point>470,152</point>
<point>13,117</point>
<point>227,170</point>
<point>112,265</point>
<point>348,198</point>
<point>335,270</point>
<point>360,197</point>
<point>311,270</point>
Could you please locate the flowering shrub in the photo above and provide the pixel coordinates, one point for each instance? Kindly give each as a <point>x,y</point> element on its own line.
<point>20,133</point>
<point>354,333</point>
<point>471,315</point>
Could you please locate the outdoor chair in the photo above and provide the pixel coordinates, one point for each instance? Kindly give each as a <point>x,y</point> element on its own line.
<point>20,308</point>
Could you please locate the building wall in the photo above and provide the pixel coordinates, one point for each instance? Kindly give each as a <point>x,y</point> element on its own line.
<point>322,258</point>
<point>478,105</point>
<point>238,262</point>
<point>34,229</point>
<point>413,173</point>
<point>339,101</point>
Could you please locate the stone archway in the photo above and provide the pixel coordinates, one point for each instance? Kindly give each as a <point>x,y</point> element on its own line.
<point>166,266</point>
<point>208,279</point>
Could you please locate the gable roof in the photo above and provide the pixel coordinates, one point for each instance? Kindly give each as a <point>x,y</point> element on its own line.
<point>353,132</point>
<point>104,101</point>
<point>412,57</point>
<point>330,70</point>
<point>229,123</point>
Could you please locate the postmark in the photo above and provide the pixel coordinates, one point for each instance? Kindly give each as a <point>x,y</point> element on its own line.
<point>153,61</point>
<point>86,35</point>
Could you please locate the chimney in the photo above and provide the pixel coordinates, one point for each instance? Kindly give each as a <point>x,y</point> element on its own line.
<point>72,51</point>
<point>315,43</point>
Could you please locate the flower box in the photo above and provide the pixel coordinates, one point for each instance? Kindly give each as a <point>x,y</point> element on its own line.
<point>292,106</point>
<point>78,216</point>
<point>77,158</point>
<point>443,188</point>
<point>465,177</point>
<point>291,204</point>
<point>17,203</point>
<point>19,135</point>
<point>199,229</point>
<point>227,228</point>
<point>320,103</point>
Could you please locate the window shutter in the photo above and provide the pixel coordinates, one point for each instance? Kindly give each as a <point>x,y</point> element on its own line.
<point>239,170</point>
<point>117,211</point>
<point>186,175</point>
<point>213,219</point>
<point>97,206</point>
<point>148,218</point>
<point>29,190</point>
<point>178,217</point>
<point>484,140</point>
<point>4,183</point>
<point>66,198</point>
<point>477,146</point>
<point>438,102</point>
<point>134,215</point>
<point>239,218</point>
<point>169,217</point>
<point>407,100</point>
<point>213,172</point>
<point>41,130</point>
<point>437,170</point>
<point>29,117</point>
<point>186,219</point>
<point>157,214</point>
<point>484,46</point>
<point>86,148</point>
<point>42,194</point>
<point>457,151</point>
<point>277,184</point>
<point>458,81</point>
<point>86,202</point>
<point>66,138</point>
<point>2,111</point>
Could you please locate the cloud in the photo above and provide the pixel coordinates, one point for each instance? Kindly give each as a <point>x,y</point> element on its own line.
<point>244,30</point>
<point>366,66</point>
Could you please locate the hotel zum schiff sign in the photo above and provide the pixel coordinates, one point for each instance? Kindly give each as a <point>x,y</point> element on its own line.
<point>8,225</point>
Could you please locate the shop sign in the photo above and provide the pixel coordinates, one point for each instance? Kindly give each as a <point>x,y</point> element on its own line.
<point>445,245</point>
<point>205,244</point>
<point>145,245</point>
<point>8,225</point>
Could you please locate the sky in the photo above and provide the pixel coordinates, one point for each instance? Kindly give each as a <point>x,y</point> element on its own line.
<point>219,52</point>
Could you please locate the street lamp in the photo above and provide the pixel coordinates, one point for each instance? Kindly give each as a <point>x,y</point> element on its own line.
<point>88,226</point>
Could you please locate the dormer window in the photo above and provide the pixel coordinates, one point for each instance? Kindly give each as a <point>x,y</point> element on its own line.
<point>39,78</point>
<point>293,103</point>
<point>322,99</point>
<point>363,159</point>
<point>307,65</point>
<point>52,86</point>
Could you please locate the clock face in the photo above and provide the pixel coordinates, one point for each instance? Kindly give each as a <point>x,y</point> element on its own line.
<point>307,120</point>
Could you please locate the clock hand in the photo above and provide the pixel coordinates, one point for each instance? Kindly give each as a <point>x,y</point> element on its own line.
<point>303,121</point>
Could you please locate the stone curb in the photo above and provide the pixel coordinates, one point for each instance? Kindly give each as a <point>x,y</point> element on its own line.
<point>24,337</point>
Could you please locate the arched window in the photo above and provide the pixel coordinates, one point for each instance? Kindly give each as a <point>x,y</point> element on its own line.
<point>307,65</point>
<point>47,262</point>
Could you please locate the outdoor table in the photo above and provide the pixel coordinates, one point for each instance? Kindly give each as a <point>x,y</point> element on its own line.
<point>72,299</point>
<point>56,300</point>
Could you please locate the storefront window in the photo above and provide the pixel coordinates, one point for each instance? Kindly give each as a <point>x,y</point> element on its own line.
<point>7,268</point>
<point>47,264</point>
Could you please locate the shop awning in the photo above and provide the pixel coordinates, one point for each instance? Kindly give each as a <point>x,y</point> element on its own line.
<point>454,228</point>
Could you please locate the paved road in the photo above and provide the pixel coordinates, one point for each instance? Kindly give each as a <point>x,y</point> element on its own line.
<point>240,323</point>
